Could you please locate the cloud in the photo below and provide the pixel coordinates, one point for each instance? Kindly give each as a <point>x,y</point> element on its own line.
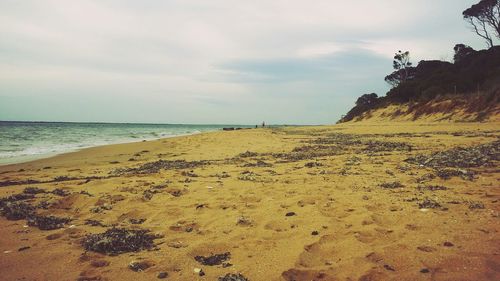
<point>335,66</point>
<point>212,61</point>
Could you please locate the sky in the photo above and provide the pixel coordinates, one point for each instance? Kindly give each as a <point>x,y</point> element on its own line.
<point>212,62</point>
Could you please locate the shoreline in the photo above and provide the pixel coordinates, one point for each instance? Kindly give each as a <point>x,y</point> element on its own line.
<point>348,201</point>
<point>37,157</point>
<point>31,158</point>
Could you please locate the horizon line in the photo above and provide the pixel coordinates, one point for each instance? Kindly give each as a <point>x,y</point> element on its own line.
<point>145,123</point>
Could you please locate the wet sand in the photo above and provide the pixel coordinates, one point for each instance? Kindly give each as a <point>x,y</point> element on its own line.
<point>344,202</point>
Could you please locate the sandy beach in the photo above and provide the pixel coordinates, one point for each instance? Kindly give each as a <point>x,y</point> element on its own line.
<point>355,201</point>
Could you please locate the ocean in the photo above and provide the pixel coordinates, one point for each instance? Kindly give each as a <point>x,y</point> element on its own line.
<point>24,141</point>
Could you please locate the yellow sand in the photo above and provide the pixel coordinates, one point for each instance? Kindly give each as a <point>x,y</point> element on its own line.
<point>364,232</point>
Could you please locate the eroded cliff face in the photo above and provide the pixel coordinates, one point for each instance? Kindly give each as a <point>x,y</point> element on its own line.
<point>447,109</point>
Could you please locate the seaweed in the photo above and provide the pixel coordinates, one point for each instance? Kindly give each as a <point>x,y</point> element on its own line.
<point>156,166</point>
<point>136,221</point>
<point>94,223</point>
<point>248,154</point>
<point>447,174</point>
<point>460,157</point>
<point>476,205</point>
<point>17,210</point>
<point>216,259</point>
<point>15,198</point>
<point>33,190</point>
<point>233,277</point>
<point>244,221</point>
<point>60,192</point>
<point>431,187</point>
<point>119,240</point>
<point>102,208</point>
<point>247,176</point>
<point>380,146</point>
<point>259,163</point>
<point>64,178</point>
<point>429,204</point>
<point>9,182</point>
<point>47,222</point>
<point>313,164</point>
<point>392,185</point>
<point>308,152</point>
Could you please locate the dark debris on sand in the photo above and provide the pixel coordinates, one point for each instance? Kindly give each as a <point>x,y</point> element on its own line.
<point>336,144</point>
<point>14,208</point>
<point>47,222</point>
<point>313,164</point>
<point>15,198</point>
<point>391,185</point>
<point>33,190</point>
<point>94,223</point>
<point>156,166</point>
<point>247,154</point>
<point>460,157</point>
<point>259,163</point>
<point>340,139</point>
<point>64,178</point>
<point>119,240</point>
<point>381,146</point>
<point>9,182</point>
<point>17,210</point>
<point>233,277</point>
<point>431,187</point>
<point>447,174</point>
<point>308,152</point>
<point>60,192</point>
<point>476,205</point>
<point>216,259</point>
<point>248,176</point>
<point>429,204</point>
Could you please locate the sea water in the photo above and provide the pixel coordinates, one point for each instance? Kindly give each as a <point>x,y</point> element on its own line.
<point>24,141</point>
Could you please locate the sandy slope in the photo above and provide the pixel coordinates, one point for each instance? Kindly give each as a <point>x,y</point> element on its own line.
<point>346,226</point>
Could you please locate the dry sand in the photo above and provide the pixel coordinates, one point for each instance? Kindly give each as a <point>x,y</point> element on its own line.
<point>342,223</point>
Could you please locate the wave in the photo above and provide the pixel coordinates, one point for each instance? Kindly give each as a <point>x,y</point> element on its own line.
<point>20,141</point>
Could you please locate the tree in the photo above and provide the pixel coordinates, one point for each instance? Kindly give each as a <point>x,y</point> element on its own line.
<point>403,69</point>
<point>485,19</point>
<point>367,99</point>
<point>462,51</point>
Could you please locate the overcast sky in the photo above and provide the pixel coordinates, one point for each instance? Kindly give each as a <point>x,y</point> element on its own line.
<point>216,61</point>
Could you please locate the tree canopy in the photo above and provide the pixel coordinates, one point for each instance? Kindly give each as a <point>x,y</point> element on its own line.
<point>403,69</point>
<point>462,51</point>
<point>367,99</point>
<point>484,17</point>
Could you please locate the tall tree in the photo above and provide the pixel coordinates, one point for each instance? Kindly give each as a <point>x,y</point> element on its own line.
<point>403,69</point>
<point>484,17</point>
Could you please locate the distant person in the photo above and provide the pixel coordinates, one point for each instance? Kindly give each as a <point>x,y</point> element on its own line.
<point>263,124</point>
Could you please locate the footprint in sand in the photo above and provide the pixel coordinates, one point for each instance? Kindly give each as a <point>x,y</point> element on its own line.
<point>307,275</point>
<point>278,225</point>
<point>185,226</point>
<point>365,236</point>
<point>374,275</point>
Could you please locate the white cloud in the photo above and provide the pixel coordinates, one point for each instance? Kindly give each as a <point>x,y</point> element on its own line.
<point>175,51</point>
